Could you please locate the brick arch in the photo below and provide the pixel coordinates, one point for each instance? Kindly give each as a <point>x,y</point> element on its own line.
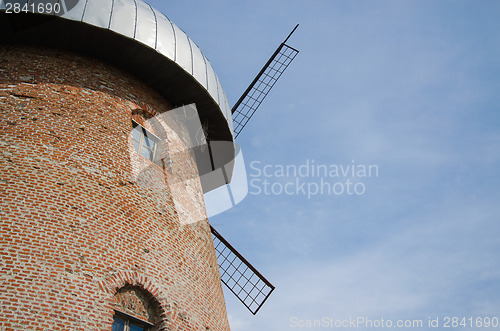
<point>146,108</point>
<point>141,116</point>
<point>136,301</point>
<point>121,279</point>
<point>164,310</point>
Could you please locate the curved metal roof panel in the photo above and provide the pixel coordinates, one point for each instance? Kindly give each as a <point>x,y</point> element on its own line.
<point>97,13</point>
<point>183,55</point>
<point>165,41</point>
<point>123,14</point>
<point>146,27</point>
<point>212,82</point>
<point>138,21</point>
<point>199,65</point>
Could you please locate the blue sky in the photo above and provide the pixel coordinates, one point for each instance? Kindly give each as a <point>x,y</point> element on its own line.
<point>410,86</point>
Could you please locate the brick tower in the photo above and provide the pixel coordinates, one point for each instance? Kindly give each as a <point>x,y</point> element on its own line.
<point>102,217</point>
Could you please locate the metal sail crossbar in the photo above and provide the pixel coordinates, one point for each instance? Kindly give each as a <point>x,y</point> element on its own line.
<point>256,92</point>
<point>249,286</point>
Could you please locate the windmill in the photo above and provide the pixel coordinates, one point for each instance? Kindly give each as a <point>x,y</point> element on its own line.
<point>240,277</point>
<point>144,43</point>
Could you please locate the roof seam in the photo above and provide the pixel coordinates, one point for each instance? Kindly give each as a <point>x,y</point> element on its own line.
<point>192,56</point>
<point>84,10</point>
<point>175,40</point>
<point>135,23</point>
<point>206,71</point>
<point>156,26</point>
<point>62,5</point>
<point>111,14</point>
<point>217,83</point>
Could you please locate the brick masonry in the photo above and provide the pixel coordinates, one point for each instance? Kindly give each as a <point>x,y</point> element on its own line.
<point>87,225</point>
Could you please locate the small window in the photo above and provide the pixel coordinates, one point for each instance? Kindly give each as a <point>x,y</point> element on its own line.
<point>125,322</point>
<point>145,142</point>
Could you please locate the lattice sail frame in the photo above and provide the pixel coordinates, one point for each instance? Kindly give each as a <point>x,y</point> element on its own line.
<point>257,91</point>
<point>249,286</point>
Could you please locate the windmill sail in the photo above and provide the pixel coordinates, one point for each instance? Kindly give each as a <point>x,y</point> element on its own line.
<point>249,286</point>
<point>257,91</point>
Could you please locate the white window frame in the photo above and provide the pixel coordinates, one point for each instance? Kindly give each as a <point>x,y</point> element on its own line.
<point>140,142</point>
<point>127,318</point>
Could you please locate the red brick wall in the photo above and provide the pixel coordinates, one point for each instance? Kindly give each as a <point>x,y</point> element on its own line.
<point>76,223</point>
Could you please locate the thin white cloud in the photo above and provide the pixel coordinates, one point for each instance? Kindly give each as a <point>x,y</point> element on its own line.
<point>410,274</point>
